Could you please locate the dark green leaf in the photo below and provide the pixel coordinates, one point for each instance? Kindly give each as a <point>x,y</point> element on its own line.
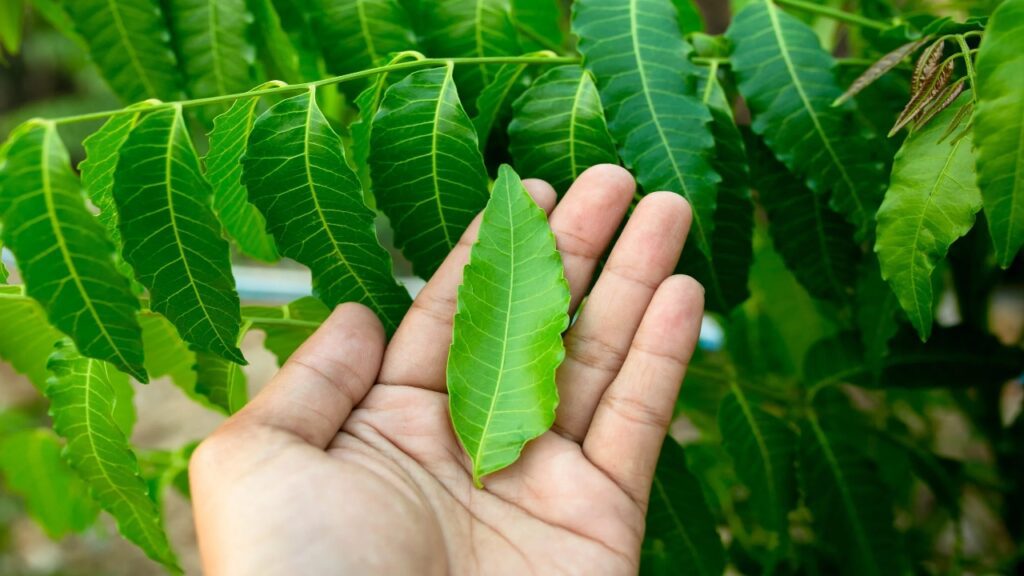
<point>359,34</point>
<point>221,382</point>
<point>224,171</point>
<point>788,82</point>
<point>958,357</point>
<point>680,528</point>
<point>27,339</point>
<point>494,106</point>
<point>932,200</point>
<point>172,238</point>
<point>876,306</point>
<point>558,129</point>
<point>287,327</point>
<point>64,256</point>
<point>637,54</point>
<point>275,47</point>
<point>130,43</point>
<point>297,176</point>
<point>507,338</point>
<point>82,393</point>
<point>688,16</point>
<point>428,173</point>
<point>539,23</point>
<point>998,126</point>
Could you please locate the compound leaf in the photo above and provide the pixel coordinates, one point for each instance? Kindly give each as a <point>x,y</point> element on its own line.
<point>932,200</point>
<point>224,171</point>
<point>130,43</point>
<point>998,126</point>
<point>287,327</point>
<point>64,256</point>
<point>297,177</point>
<point>82,394</point>
<point>507,339</point>
<point>172,238</point>
<point>637,54</point>
<point>27,338</point>
<point>428,173</point>
<point>558,128</point>
<point>787,80</point>
<point>359,34</point>
<point>102,149</point>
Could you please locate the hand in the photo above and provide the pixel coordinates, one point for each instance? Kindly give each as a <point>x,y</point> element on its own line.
<point>347,463</point>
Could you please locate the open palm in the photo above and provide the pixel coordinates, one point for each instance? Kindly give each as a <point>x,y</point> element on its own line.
<point>347,462</point>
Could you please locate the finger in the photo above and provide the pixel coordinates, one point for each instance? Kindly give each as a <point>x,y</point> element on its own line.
<point>634,414</point>
<point>418,352</point>
<point>316,389</point>
<point>645,254</point>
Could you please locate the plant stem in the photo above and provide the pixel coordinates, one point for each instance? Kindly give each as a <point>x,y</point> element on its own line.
<point>324,82</point>
<point>835,14</point>
<point>968,64</point>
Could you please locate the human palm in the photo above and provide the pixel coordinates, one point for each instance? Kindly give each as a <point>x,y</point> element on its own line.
<point>347,461</point>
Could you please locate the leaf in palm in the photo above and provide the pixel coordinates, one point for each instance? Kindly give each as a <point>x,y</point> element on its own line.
<point>637,54</point>
<point>558,129</point>
<point>297,177</point>
<point>172,238</point>
<point>64,256</point>
<point>428,173</point>
<point>507,338</point>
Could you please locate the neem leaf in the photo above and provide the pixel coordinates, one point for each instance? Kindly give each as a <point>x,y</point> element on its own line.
<point>495,102</point>
<point>932,200</point>
<point>64,256</point>
<point>998,126</point>
<point>221,383</point>
<point>297,177</point>
<point>558,129</point>
<point>879,69</point>
<point>172,238</point>
<point>224,171</point>
<point>359,34</point>
<point>876,305</point>
<point>27,339</point>
<point>507,339</point>
<point>82,394</point>
<point>640,61</point>
<point>3,269</point>
<point>428,173</point>
<point>166,353</point>
<point>276,49</point>
<point>287,327</point>
<point>539,23</point>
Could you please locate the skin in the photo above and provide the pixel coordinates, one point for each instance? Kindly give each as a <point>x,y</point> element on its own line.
<point>346,463</point>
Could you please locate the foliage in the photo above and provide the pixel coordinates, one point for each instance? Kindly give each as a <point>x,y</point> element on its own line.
<point>814,424</point>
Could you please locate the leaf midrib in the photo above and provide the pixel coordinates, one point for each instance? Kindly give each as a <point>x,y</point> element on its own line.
<point>371,49</point>
<point>671,510</point>
<point>434,175</point>
<point>115,11</point>
<point>213,21</point>
<point>762,447</point>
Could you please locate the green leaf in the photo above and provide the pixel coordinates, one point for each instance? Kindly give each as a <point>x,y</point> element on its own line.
<point>850,504</point>
<point>788,83</point>
<point>27,338</point>
<point>428,173</point>
<point>102,149</point>
<point>221,382</point>
<point>3,269</point>
<point>815,242</point>
<point>688,16</point>
<point>55,497</point>
<point>166,353</point>
<point>507,338</point>
<point>296,174</point>
<point>275,48</point>
<point>539,23</point>
<point>764,450</point>
<point>470,28</point>
<point>558,128</point>
<point>876,306</point>
<point>998,125</point>
<point>81,394</point>
<point>932,200</point>
<point>679,523</point>
<point>64,256</point>
<point>360,34</point>
<point>494,106</point>
<point>641,64</point>
<point>958,357</point>
<point>213,42</point>
<point>171,237</point>
<point>726,273</point>
<point>130,43</point>
<point>56,15</point>
<point>224,171</point>
<point>11,14</point>
<point>287,327</point>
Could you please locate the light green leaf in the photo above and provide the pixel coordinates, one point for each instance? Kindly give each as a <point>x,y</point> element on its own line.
<point>224,171</point>
<point>494,106</point>
<point>130,43</point>
<point>172,238</point>
<point>213,42</point>
<point>275,48</point>
<point>55,497</point>
<point>54,13</point>
<point>539,23</point>
<point>998,128</point>
<point>296,174</point>
<point>815,242</point>
<point>787,80</point>
<point>470,28</point>
<point>558,129</point>
<point>764,451</point>
<point>641,64</point>
<point>11,14</point>
<point>932,200</point>
<point>688,16</point>
<point>64,257</point>
<point>507,338</point>
<point>360,34</point>
<point>220,382</point>
<point>27,338</point>
<point>3,269</point>
<point>428,173</point>
<point>81,394</point>
<point>166,353</point>
<point>287,327</point>
<point>680,527</point>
